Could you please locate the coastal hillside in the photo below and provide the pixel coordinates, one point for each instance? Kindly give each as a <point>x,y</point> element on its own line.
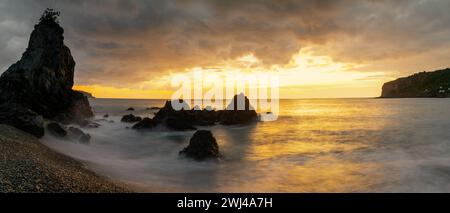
<point>28,166</point>
<point>434,84</point>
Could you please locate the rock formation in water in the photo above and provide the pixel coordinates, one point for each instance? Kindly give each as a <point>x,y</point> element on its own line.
<point>420,85</point>
<point>146,123</point>
<point>40,83</point>
<point>187,119</point>
<point>239,111</point>
<point>130,118</point>
<point>202,145</point>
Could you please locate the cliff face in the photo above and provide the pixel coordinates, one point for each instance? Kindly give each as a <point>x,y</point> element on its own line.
<point>41,81</point>
<point>420,85</point>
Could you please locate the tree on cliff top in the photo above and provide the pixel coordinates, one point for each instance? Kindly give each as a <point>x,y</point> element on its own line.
<point>50,15</point>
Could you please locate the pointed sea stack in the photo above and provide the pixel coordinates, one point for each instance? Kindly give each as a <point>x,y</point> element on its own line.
<point>41,81</point>
<point>239,111</point>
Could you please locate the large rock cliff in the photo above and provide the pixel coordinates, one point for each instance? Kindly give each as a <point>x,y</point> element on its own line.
<point>41,81</point>
<point>420,85</point>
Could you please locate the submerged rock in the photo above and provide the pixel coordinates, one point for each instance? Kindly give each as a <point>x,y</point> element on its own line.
<point>202,145</point>
<point>146,123</point>
<point>56,130</point>
<point>130,118</point>
<point>42,79</point>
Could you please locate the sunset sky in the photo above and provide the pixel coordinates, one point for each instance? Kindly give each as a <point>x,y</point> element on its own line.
<point>328,48</point>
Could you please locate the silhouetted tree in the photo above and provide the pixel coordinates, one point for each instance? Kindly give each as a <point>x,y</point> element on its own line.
<point>50,15</point>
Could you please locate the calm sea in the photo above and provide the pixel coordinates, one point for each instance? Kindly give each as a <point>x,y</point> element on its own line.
<point>316,145</point>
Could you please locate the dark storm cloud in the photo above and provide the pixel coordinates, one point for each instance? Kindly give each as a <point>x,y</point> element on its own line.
<point>120,42</point>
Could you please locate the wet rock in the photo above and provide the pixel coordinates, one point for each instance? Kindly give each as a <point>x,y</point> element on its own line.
<point>93,125</point>
<point>88,124</point>
<point>146,123</point>
<point>201,146</point>
<point>130,118</point>
<point>78,135</point>
<point>56,130</point>
<point>130,109</point>
<point>106,116</point>
<point>22,118</point>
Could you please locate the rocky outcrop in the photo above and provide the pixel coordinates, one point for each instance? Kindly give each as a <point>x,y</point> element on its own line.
<point>71,133</point>
<point>130,118</point>
<point>202,145</point>
<point>175,119</point>
<point>22,118</point>
<point>434,84</point>
<point>146,123</point>
<point>78,135</point>
<point>239,111</point>
<point>41,81</point>
<point>56,130</point>
<point>182,120</point>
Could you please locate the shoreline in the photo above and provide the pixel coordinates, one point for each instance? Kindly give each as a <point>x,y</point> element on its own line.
<point>27,166</point>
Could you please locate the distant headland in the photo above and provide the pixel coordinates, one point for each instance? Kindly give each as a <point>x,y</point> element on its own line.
<point>435,84</point>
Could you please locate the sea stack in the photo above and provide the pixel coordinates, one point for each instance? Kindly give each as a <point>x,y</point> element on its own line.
<point>202,146</point>
<point>40,83</point>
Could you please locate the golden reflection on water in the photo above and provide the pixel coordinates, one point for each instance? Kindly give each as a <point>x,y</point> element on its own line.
<point>324,134</point>
<point>329,174</point>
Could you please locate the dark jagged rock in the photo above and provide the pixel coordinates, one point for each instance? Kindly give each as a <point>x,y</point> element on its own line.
<point>42,79</point>
<point>202,145</point>
<point>177,120</point>
<point>146,123</point>
<point>187,119</point>
<point>420,85</point>
<point>22,118</point>
<point>78,135</point>
<point>239,111</point>
<point>130,109</point>
<point>130,118</point>
<point>56,130</point>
